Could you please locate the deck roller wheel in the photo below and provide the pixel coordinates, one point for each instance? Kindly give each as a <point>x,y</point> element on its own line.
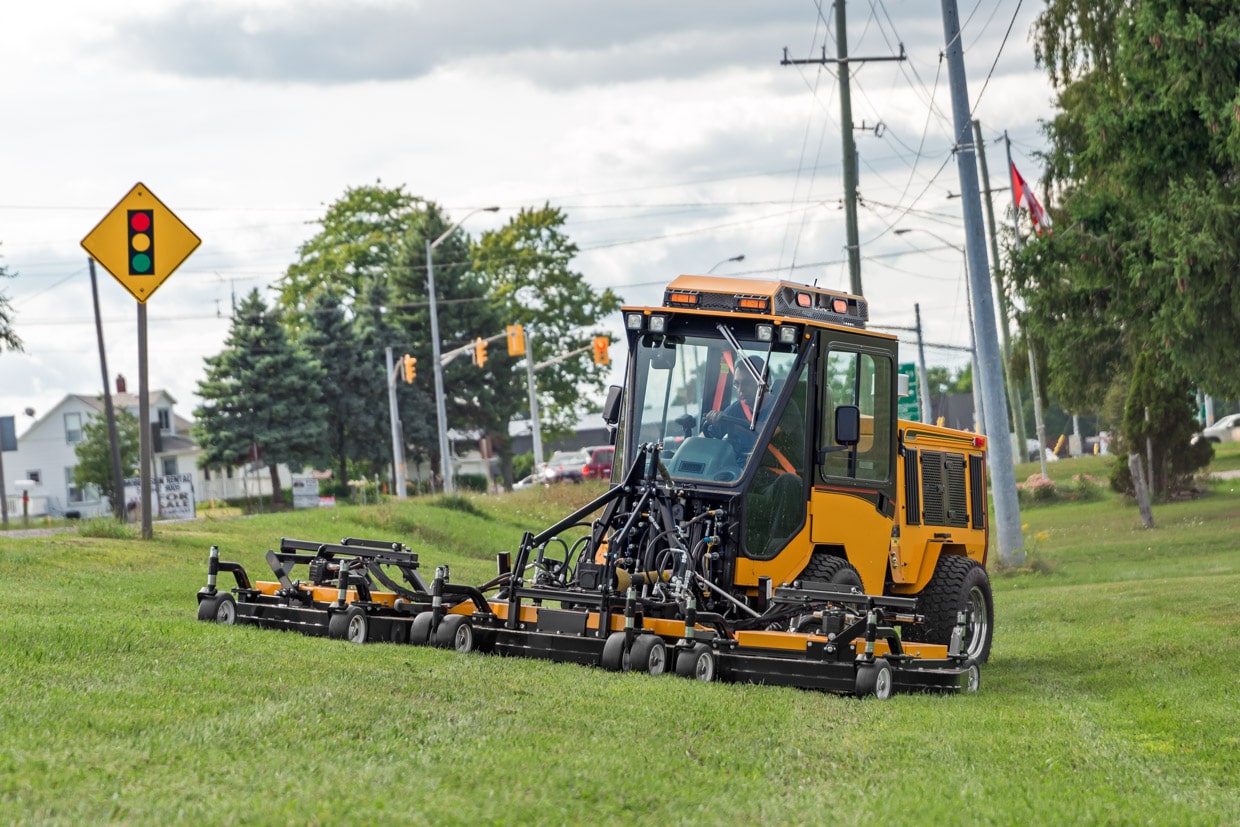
<point>420,629</point>
<point>648,654</point>
<point>613,659</point>
<point>352,625</point>
<point>875,679</point>
<point>971,681</point>
<point>697,663</point>
<point>220,609</point>
<point>455,632</point>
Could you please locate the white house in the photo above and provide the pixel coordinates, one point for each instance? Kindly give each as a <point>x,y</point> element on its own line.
<point>43,463</point>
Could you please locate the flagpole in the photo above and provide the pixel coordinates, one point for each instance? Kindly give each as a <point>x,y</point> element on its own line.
<point>1038,423</point>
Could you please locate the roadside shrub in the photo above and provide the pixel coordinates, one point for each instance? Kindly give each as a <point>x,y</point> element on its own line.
<point>456,503</point>
<point>1036,489</point>
<point>472,482</point>
<point>106,528</point>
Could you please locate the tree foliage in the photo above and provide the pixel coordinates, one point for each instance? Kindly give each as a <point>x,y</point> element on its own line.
<point>1145,155</point>
<point>529,263</point>
<point>8,337</point>
<point>94,454</point>
<point>260,394</point>
<point>330,335</point>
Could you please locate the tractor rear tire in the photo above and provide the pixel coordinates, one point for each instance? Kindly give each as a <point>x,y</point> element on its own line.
<point>959,584</point>
<point>827,568</point>
<point>456,632</point>
<point>698,663</point>
<point>875,679</point>
<point>648,654</point>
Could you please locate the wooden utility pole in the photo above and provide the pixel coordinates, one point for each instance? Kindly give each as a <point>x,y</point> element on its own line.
<point>842,60</point>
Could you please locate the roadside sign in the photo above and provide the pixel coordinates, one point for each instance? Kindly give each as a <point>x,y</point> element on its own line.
<point>910,406</point>
<point>140,242</point>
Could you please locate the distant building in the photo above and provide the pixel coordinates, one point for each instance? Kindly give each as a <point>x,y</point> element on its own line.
<point>46,456</point>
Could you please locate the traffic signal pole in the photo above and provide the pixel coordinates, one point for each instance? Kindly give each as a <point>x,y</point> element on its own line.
<point>398,444</point>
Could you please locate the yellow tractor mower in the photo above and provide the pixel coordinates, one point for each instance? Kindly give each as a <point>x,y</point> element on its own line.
<point>770,519</point>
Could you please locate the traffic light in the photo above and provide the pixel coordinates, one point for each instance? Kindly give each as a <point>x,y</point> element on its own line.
<point>480,352</point>
<point>602,348</point>
<point>141,242</point>
<point>516,340</point>
<point>411,369</point>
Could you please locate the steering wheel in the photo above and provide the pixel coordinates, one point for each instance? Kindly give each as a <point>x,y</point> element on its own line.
<point>724,425</point>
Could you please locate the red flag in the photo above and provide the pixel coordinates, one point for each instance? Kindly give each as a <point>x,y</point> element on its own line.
<point>1023,196</point>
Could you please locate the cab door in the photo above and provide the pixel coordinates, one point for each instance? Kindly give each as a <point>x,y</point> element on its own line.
<point>852,503</point>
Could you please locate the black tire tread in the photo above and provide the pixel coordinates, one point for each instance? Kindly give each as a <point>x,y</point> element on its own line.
<point>943,598</point>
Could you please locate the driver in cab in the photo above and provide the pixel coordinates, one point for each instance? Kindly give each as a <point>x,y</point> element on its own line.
<point>733,422</point>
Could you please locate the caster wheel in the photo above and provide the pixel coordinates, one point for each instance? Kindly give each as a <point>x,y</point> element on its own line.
<point>613,659</point>
<point>875,679</point>
<point>648,654</point>
<point>220,609</point>
<point>697,663</point>
<point>456,632</point>
<point>420,629</point>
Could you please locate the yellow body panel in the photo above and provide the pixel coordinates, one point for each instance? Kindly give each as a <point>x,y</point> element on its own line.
<point>327,594</point>
<point>847,520</point>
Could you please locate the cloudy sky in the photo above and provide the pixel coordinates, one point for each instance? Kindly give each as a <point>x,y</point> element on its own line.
<point>668,132</point>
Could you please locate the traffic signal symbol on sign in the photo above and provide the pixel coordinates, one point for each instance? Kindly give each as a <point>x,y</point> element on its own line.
<point>141,224</point>
<point>124,242</point>
<point>411,369</point>
<point>516,340</point>
<point>602,347</point>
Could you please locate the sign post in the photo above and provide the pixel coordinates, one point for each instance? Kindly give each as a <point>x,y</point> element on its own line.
<point>141,243</point>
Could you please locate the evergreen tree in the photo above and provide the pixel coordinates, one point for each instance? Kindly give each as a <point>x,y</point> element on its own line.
<point>8,338</point>
<point>262,397</point>
<point>331,336</point>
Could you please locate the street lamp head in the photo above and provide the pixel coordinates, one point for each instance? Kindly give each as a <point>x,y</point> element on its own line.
<point>741,257</point>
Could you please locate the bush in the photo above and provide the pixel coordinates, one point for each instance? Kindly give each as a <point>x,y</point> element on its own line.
<point>1036,489</point>
<point>106,528</point>
<point>472,482</point>
<point>522,465</point>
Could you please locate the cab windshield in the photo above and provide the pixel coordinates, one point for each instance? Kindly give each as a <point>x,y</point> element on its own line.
<point>695,394</point>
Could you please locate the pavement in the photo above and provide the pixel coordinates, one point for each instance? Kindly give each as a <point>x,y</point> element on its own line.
<point>21,533</point>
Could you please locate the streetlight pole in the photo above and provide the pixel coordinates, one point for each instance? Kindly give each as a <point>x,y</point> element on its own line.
<point>441,410</point>
<point>979,425</point>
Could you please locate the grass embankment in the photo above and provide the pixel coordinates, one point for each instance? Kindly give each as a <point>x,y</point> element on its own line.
<point>1112,695</point>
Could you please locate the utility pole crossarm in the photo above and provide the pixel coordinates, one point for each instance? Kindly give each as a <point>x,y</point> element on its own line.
<point>787,61</point>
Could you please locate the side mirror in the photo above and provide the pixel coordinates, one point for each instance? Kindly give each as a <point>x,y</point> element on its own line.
<point>901,385</point>
<point>611,408</point>
<point>847,425</point>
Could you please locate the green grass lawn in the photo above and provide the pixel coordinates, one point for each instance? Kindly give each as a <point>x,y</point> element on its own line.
<point>1112,695</point>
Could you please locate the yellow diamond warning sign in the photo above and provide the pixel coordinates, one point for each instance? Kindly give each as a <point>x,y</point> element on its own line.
<point>140,242</point>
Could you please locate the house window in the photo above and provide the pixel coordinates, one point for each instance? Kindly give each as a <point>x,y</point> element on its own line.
<point>35,476</point>
<point>165,419</point>
<point>76,493</point>
<point>73,428</point>
<point>169,465</point>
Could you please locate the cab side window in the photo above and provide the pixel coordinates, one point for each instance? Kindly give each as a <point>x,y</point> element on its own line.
<point>862,379</point>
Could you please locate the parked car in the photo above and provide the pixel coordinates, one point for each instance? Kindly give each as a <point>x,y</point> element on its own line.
<point>524,482</point>
<point>599,466</point>
<point>1225,429</point>
<point>565,466</point>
